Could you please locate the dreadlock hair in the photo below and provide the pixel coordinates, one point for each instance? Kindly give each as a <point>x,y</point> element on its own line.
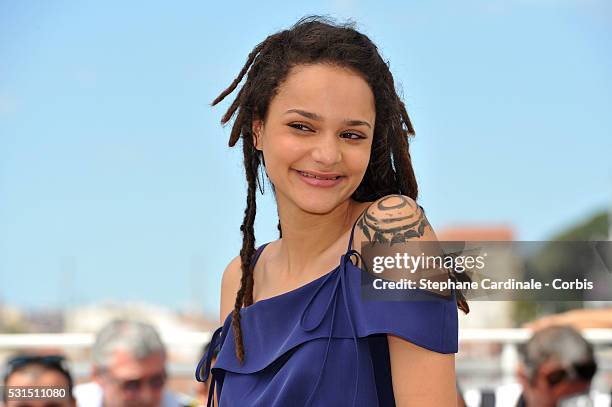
<point>315,39</point>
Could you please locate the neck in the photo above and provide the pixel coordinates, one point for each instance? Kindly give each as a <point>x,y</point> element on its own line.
<point>308,236</point>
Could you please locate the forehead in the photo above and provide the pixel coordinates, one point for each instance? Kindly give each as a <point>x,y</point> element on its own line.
<point>37,377</point>
<point>334,92</point>
<point>123,363</point>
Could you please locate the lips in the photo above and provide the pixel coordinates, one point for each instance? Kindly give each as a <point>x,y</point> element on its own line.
<point>319,175</point>
<point>320,179</point>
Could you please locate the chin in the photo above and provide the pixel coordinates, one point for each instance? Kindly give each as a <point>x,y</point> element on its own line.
<point>319,205</point>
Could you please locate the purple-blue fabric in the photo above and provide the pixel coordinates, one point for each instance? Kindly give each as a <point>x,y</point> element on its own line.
<point>310,346</point>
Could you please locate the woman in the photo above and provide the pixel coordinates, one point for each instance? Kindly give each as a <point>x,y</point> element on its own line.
<point>320,113</point>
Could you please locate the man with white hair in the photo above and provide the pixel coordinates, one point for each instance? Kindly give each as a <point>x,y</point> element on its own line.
<point>557,368</point>
<point>129,369</point>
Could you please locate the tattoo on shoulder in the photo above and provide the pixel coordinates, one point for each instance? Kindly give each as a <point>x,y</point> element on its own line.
<point>389,224</point>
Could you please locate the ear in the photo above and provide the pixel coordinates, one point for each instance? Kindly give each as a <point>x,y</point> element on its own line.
<point>257,130</point>
<point>547,368</point>
<point>521,375</point>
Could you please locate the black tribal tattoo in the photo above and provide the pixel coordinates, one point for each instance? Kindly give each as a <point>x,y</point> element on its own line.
<point>388,227</point>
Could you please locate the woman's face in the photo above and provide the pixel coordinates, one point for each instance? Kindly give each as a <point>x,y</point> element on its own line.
<point>320,123</point>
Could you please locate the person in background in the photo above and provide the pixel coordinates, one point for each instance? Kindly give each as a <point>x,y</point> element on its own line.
<point>557,368</point>
<point>25,372</point>
<point>129,369</point>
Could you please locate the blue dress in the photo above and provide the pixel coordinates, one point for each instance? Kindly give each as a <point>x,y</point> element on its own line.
<point>322,344</point>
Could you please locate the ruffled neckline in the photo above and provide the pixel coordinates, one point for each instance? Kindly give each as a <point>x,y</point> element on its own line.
<point>295,290</point>
<point>279,297</point>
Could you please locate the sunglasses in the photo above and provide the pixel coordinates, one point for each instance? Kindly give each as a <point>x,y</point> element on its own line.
<point>578,371</point>
<point>56,362</point>
<point>155,382</point>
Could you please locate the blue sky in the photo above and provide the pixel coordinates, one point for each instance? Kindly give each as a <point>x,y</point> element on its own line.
<point>116,182</point>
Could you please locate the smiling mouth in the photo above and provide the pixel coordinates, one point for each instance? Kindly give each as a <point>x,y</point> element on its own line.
<point>306,174</point>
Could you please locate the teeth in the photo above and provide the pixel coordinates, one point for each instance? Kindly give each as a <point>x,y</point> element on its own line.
<point>314,176</point>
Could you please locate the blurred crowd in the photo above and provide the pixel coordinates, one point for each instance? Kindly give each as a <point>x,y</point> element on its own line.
<point>557,365</point>
<point>128,369</point>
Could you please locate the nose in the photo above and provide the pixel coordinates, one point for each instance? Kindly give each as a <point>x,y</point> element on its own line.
<point>327,150</point>
<point>149,397</point>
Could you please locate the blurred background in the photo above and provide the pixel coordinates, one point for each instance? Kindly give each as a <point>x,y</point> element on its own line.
<point>120,197</point>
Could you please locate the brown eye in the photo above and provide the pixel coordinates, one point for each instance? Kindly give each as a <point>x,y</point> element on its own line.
<point>356,136</point>
<point>299,126</point>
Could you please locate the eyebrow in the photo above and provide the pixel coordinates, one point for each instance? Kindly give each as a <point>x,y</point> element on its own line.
<point>314,116</point>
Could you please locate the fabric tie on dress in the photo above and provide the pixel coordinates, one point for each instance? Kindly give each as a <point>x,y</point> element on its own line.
<point>339,278</point>
<point>206,361</point>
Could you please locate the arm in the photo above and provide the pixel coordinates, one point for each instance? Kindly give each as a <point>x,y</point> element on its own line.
<point>421,377</point>
<point>230,284</point>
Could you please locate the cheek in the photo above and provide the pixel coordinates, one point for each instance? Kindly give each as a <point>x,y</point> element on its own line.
<point>358,159</point>
<point>288,148</point>
<point>282,154</point>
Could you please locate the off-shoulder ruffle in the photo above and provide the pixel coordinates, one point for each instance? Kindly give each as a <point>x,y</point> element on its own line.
<point>272,327</point>
<point>331,308</point>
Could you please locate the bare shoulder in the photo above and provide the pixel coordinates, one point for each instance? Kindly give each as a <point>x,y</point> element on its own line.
<point>230,284</point>
<point>394,219</point>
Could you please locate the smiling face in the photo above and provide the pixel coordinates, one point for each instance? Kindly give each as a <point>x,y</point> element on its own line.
<point>320,123</point>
